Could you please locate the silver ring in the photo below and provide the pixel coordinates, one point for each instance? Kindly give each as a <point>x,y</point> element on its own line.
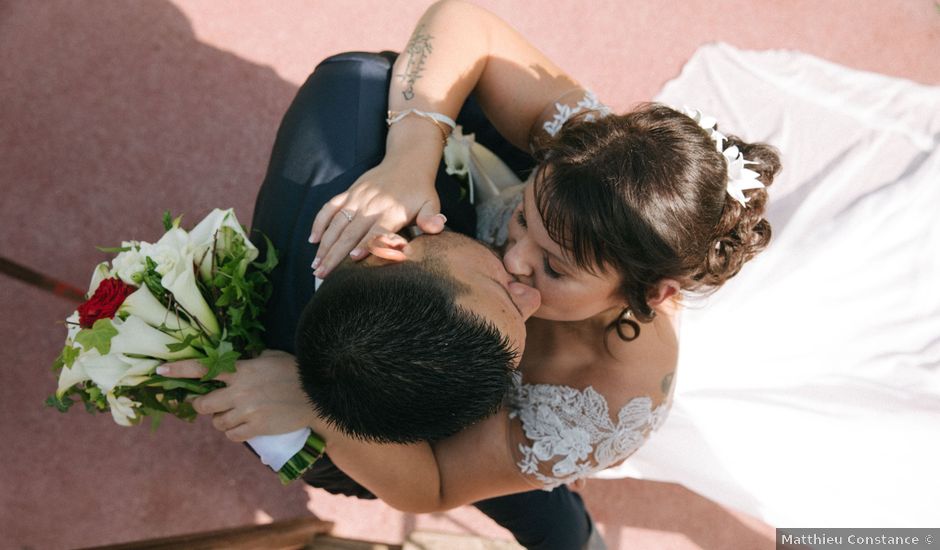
<point>349,216</point>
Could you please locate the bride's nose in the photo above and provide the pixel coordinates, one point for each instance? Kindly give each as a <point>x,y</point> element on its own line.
<point>514,259</point>
<point>526,298</point>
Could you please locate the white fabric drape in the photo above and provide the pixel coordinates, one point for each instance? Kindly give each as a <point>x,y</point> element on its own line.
<point>808,391</point>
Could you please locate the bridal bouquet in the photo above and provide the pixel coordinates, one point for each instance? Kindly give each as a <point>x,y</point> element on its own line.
<point>190,295</point>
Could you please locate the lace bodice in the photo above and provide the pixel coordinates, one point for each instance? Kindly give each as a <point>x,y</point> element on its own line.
<point>571,434</point>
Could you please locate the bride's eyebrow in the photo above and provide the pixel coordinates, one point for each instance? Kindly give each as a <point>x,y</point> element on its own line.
<point>560,259</point>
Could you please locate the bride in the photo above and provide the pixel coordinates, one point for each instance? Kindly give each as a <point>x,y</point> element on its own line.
<point>619,217</point>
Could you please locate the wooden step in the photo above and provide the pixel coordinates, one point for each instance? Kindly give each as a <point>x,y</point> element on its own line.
<point>424,540</point>
<point>327,542</point>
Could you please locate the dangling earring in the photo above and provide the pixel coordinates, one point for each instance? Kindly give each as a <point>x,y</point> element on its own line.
<point>626,318</point>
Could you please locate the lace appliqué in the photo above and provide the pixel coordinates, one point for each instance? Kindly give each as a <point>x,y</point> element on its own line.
<point>563,112</point>
<point>571,430</point>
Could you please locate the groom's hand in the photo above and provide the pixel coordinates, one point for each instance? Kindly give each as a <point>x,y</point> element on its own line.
<point>262,397</point>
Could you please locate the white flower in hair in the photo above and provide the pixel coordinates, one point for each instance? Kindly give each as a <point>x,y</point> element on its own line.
<point>740,178</point>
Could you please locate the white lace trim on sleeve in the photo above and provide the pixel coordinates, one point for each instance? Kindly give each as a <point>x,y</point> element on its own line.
<point>571,432</point>
<point>563,112</point>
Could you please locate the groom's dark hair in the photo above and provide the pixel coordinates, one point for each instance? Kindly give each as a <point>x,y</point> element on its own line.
<point>386,354</point>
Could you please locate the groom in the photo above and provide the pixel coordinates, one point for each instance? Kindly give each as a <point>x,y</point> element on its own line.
<point>331,134</point>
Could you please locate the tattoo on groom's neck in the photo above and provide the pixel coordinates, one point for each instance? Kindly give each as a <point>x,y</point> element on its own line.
<point>417,50</point>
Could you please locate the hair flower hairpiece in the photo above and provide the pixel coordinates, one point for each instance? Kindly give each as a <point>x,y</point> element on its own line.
<point>740,178</point>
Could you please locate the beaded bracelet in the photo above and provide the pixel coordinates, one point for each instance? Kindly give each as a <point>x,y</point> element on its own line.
<point>439,120</point>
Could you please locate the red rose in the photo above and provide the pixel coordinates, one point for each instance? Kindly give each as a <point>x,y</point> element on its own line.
<point>105,302</point>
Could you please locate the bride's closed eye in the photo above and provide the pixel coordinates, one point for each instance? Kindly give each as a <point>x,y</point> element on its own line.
<point>546,265</point>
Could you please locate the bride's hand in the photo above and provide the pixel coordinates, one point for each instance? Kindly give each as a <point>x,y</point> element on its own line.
<point>262,397</point>
<point>382,201</point>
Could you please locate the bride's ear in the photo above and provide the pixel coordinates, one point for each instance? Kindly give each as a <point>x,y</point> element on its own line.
<point>390,247</point>
<point>664,289</point>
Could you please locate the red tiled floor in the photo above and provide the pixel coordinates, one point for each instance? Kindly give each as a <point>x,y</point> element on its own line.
<point>114,111</point>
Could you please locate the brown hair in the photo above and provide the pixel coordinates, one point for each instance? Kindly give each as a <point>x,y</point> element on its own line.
<point>644,194</point>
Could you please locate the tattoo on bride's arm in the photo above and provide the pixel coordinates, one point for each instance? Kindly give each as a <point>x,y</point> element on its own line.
<point>417,50</point>
<point>666,384</point>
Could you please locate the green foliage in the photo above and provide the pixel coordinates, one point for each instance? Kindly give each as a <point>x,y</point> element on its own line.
<point>62,405</point>
<point>114,249</point>
<point>180,346</point>
<point>219,359</point>
<point>152,279</point>
<point>241,290</point>
<point>98,337</point>
<point>58,363</point>
<point>169,222</point>
<point>69,355</point>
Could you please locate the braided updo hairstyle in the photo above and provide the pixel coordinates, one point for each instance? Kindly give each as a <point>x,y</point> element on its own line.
<point>644,194</point>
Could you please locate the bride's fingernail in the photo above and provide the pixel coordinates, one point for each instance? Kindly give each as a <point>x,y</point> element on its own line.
<point>310,239</point>
<point>318,272</point>
<point>162,370</point>
<point>356,252</point>
<point>443,218</point>
<point>316,263</point>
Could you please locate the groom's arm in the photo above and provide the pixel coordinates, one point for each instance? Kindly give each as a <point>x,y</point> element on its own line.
<point>472,465</point>
<point>264,397</point>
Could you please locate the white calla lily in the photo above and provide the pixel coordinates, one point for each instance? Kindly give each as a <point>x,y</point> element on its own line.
<point>100,273</point>
<point>71,324</point>
<point>136,337</point>
<point>115,369</point>
<point>123,409</point>
<point>69,376</point>
<point>181,282</point>
<point>205,242</point>
<point>144,305</point>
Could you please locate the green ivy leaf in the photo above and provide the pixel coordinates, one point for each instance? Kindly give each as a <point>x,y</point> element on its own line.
<point>270,257</point>
<point>58,363</point>
<point>180,346</point>
<point>98,336</point>
<point>70,354</point>
<point>220,359</point>
<point>62,405</point>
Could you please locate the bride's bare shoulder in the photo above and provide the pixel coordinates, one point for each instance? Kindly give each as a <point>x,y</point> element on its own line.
<point>645,366</point>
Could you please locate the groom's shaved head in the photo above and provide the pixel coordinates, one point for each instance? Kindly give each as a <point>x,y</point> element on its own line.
<point>387,354</point>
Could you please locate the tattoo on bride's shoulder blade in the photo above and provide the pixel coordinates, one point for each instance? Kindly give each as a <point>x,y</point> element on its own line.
<point>666,384</point>
<point>417,50</point>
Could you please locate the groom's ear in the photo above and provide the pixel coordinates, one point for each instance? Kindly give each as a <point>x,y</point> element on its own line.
<point>389,248</point>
